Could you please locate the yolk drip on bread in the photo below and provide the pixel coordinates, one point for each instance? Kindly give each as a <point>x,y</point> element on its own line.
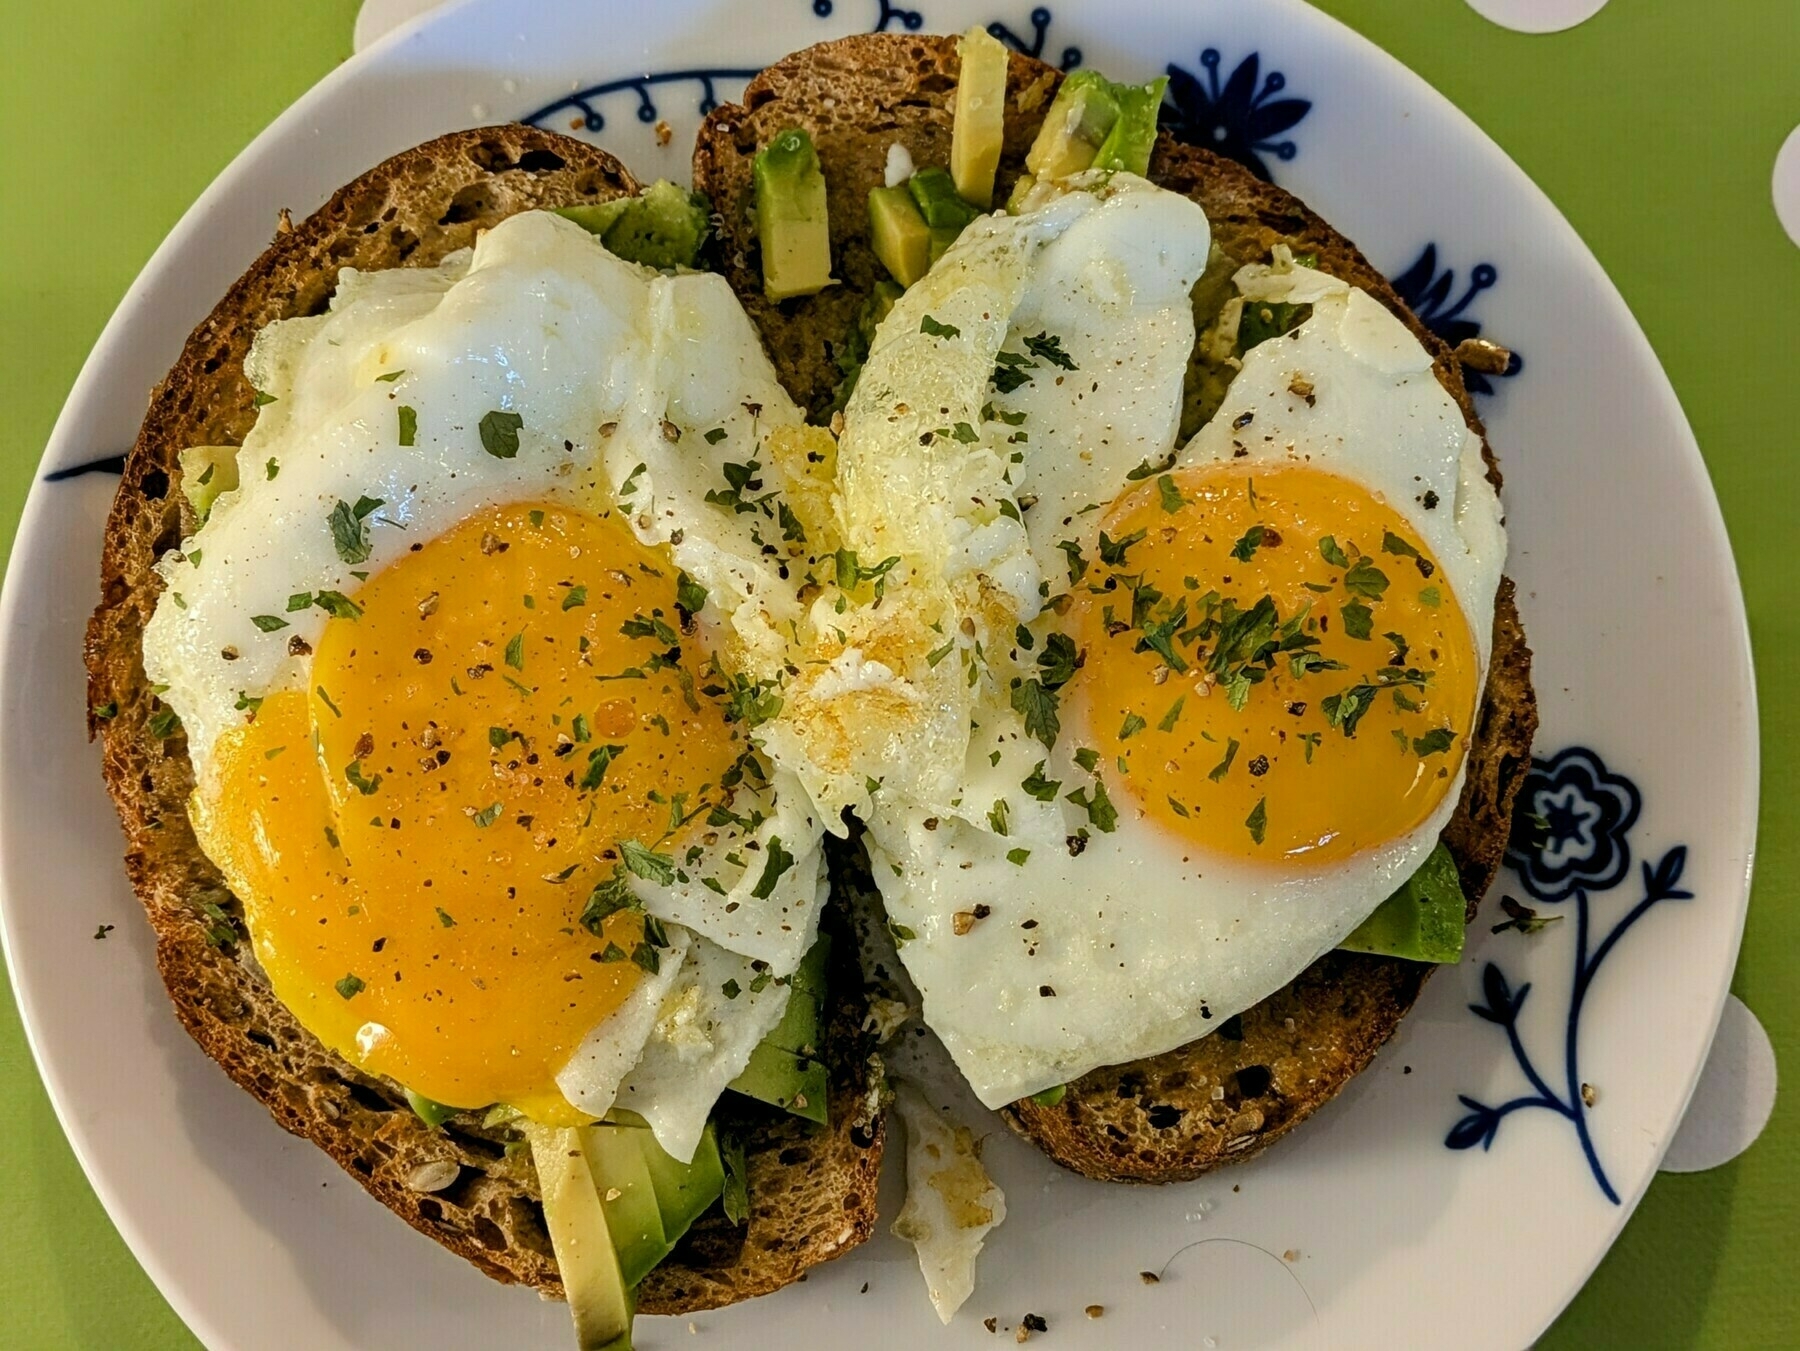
<point>415,836</point>
<point>1326,704</point>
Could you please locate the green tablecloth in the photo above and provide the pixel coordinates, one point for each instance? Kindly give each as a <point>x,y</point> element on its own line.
<point>1654,126</point>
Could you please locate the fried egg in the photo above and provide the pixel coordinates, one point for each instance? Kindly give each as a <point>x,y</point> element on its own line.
<point>469,665</point>
<point>1189,714</point>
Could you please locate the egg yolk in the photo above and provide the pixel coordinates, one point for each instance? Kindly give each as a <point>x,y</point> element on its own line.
<point>416,834</point>
<point>1271,664</point>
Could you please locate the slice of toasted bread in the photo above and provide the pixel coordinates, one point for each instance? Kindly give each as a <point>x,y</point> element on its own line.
<point>1160,1119</point>
<point>813,1192</point>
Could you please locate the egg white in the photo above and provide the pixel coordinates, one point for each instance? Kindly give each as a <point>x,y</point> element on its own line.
<point>1103,949</point>
<point>610,366</point>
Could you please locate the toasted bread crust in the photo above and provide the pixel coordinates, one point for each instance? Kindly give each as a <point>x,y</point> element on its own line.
<point>814,1192</point>
<point>1153,1120</point>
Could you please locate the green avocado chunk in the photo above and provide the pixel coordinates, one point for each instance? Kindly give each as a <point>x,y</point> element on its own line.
<point>599,1299</point>
<point>664,226</point>
<point>791,221</point>
<point>935,192</point>
<point>1133,135</point>
<point>633,1211</point>
<point>431,1113</point>
<point>207,471</point>
<point>784,1069</point>
<point>898,234</point>
<point>1080,118</point>
<point>684,1191</point>
<point>1423,921</point>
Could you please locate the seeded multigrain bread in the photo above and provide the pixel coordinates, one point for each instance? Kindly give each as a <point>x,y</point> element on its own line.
<point>1160,1119</point>
<point>812,1192</point>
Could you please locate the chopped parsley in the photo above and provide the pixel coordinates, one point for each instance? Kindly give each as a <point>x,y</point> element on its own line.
<point>932,327</point>
<point>488,814</point>
<point>648,864</point>
<point>1220,770</point>
<point>350,528</point>
<point>1172,500</point>
<point>268,623</point>
<point>350,986</point>
<point>1048,348</point>
<point>574,598</point>
<point>1258,820</point>
<point>500,433</point>
<point>598,760</point>
<point>409,424</point>
<point>779,861</point>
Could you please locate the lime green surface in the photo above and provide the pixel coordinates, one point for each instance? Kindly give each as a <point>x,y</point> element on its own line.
<point>1653,126</point>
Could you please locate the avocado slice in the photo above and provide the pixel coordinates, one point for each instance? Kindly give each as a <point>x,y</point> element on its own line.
<point>1133,135</point>
<point>627,1193</point>
<point>599,1299</point>
<point>1422,921</point>
<point>980,116</point>
<point>791,222</point>
<point>794,1081</point>
<point>684,1191</point>
<point>207,471</point>
<point>664,226</point>
<point>784,1069</point>
<point>898,234</point>
<point>431,1113</point>
<point>1080,118</point>
<point>935,193</point>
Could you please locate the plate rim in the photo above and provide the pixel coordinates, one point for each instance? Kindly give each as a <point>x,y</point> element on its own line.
<point>35,520</point>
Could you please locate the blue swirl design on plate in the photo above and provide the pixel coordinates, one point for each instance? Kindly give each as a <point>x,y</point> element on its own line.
<point>106,464</point>
<point>1235,118</point>
<point>909,19</point>
<point>584,104</point>
<point>1570,840</point>
<point>1040,30</point>
<point>1427,292</point>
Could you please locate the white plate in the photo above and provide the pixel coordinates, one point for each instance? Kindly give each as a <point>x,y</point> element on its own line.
<point>1364,1230</point>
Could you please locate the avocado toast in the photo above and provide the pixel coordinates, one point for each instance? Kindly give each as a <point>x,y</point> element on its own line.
<point>463,1178</point>
<point>1226,1097</point>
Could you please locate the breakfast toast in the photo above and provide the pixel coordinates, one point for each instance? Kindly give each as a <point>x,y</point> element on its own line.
<point>467,1184</point>
<point>1228,1096</point>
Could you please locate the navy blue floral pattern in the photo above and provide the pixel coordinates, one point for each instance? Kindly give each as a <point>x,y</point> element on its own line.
<point>1569,841</point>
<point>1428,293</point>
<point>1237,117</point>
<point>1040,30</point>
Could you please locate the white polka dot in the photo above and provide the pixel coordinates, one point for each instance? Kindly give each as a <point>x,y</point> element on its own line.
<point>1537,16</point>
<point>1735,1096</point>
<point>1787,185</point>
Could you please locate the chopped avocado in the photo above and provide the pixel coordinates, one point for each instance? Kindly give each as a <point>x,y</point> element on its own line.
<point>431,1113</point>
<point>599,1301</point>
<point>207,471</point>
<point>790,217</point>
<point>899,235</point>
<point>664,226</point>
<point>784,1069</point>
<point>633,1211</point>
<point>944,211</point>
<point>1265,319</point>
<point>1080,118</point>
<point>790,1080</point>
<point>980,117</point>
<point>684,1191</point>
<point>1128,143</point>
<point>938,201</point>
<point>1022,186</point>
<point>1423,921</point>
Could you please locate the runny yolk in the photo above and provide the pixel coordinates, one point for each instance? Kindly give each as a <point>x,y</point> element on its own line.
<point>1273,666</point>
<point>415,835</point>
